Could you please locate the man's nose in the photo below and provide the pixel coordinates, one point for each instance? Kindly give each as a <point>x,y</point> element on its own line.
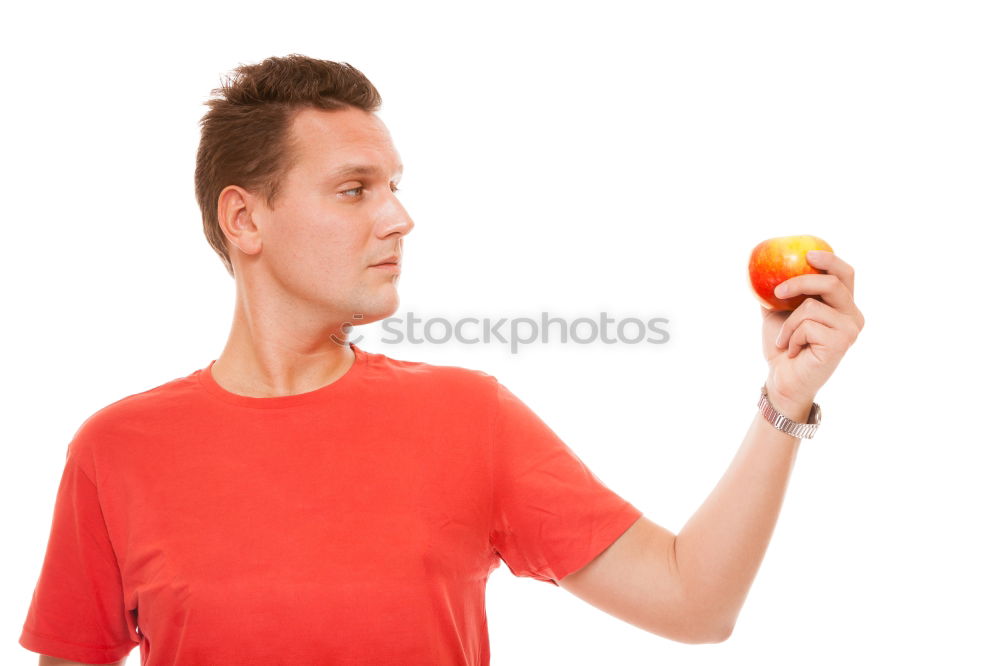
<point>398,220</point>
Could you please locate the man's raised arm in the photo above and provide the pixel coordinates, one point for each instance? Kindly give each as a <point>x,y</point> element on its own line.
<point>691,587</point>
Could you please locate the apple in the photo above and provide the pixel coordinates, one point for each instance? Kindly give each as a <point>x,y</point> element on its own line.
<point>775,260</point>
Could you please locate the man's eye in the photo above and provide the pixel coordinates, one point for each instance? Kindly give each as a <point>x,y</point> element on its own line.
<point>358,190</point>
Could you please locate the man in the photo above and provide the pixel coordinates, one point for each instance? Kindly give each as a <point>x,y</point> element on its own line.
<point>300,500</point>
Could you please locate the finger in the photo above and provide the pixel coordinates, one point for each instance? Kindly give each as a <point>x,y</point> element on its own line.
<point>811,332</point>
<point>814,310</point>
<point>830,288</point>
<point>834,265</point>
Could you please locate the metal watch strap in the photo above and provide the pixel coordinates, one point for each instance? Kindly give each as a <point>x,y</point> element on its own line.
<point>785,424</point>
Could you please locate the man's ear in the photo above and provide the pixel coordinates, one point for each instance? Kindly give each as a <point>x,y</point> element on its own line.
<point>236,219</point>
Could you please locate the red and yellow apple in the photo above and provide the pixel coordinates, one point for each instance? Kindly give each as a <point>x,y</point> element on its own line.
<point>777,259</point>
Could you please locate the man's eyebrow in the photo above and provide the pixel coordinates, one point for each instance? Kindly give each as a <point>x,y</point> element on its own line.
<point>365,169</point>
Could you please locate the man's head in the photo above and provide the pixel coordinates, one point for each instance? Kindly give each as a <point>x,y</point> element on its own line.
<point>274,205</point>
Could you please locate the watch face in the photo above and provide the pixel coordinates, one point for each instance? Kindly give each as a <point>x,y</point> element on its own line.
<point>815,415</point>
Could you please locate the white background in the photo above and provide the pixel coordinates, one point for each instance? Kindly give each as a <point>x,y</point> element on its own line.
<point>576,158</point>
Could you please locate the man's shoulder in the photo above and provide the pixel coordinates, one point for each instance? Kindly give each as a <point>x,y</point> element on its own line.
<point>162,403</point>
<point>436,375</point>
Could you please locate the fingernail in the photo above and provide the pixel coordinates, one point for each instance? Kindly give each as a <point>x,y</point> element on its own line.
<point>780,290</point>
<point>814,254</point>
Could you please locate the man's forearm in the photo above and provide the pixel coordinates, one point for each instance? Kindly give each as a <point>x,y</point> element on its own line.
<point>720,548</point>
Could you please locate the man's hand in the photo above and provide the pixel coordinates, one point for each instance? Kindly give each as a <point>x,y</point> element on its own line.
<point>804,347</point>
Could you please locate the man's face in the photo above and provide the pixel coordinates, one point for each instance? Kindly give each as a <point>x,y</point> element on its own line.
<point>331,223</point>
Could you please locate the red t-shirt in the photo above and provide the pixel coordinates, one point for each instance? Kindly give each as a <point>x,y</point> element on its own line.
<point>353,524</point>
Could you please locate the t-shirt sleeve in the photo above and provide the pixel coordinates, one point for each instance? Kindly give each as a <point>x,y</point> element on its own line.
<point>77,610</point>
<point>551,514</point>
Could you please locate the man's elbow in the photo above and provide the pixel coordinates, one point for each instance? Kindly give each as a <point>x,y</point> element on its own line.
<point>706,637</point>
<point>719,632</point>
<point>696,633</point>
<point>721,636</point>
<point>703,637</point>
<point>702,626</point>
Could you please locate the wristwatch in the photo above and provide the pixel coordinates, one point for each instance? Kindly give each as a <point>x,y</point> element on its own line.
<point>785,424</point>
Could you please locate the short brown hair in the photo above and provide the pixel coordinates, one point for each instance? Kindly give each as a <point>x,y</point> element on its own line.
<point>245,133</point>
